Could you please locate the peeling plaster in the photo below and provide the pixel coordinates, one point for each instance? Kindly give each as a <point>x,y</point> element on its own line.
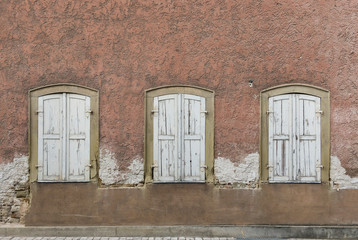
<point>245,174</point>
<point>13,175</point>
<point>110,174</point>
<point>339,178</point>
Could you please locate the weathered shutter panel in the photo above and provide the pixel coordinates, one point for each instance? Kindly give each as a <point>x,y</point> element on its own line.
<point>50,135</point>
<point>308,160</point>
<point>294,138</point>
<point>193,143</point>
<point>165,138</point>
<point>78,138</point>
<point>280,137</point>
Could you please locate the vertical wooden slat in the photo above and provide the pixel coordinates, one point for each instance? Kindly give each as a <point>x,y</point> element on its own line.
<point>64,141</point>
<point>156,146</point>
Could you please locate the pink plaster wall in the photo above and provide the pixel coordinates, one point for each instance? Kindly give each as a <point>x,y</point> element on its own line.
<point>125,47</point>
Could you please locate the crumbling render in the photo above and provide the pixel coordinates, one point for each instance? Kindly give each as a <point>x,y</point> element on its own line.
<point>339,178</point>
<point>242,175</point>
<point>14,178</point>
<point>110,174</point>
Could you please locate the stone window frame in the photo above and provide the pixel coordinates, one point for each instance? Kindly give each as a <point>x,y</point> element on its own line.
<point>34,94</point>
<point>209,126</point>
<point>324,95</point>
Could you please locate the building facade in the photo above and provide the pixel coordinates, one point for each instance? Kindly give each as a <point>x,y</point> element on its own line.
<point>178,112</point>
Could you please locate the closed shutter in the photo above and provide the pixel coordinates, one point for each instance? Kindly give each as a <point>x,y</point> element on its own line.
<point>78,137</point>
<point>179,138</point>
<point>165,139</point>
<point>280,138</point>
<point>294,138</point>
<point>63,137</point>
<point>50,135</point>
<point>307,167</point>
<point>193,126</point>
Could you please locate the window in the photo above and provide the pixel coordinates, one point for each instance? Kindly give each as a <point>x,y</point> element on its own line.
<point>179,129</point>
<point>295,134</point>
<point>63,133</point>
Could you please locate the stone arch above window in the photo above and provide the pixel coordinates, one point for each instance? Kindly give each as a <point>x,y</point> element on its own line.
<point>69,102</point>
<point>178,106</point>
<point>283,155</point>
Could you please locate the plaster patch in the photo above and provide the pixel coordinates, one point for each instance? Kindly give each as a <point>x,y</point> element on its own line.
<point>245,174</point>
<point>339,178</point>
<point>13,175</point>
<point>110,174</point>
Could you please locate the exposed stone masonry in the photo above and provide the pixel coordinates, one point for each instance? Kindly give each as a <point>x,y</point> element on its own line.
<point>14,190</point>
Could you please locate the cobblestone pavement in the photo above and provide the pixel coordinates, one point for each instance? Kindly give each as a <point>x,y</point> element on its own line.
<point>141,238</point>
<point>115,238</point>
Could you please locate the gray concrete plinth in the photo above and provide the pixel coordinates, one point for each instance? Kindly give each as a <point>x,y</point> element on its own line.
<point>261,231</point>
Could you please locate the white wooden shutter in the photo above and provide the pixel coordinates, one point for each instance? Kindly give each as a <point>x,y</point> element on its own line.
<point>50,135</point>
<point>78,137</point>
<point>179,138</point>
<point>165,138</point>
<point>294,138</point>
<point>280,137</point>
<point>308,132</point>
<point>193,142</point>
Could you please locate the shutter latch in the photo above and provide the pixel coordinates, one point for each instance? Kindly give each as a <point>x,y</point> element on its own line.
<point>320,112</point>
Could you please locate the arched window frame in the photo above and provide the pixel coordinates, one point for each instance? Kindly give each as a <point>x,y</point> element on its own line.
<point>150,94</point>
<point>324,95</point>
<point>34,95</point>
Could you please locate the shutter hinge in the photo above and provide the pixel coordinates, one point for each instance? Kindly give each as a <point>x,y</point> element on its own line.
<point>39,111</point>
<point>154,166</point>
<point>319,166</point>
<point>204,166</point>
<point>269,166</point>
<point>89,165</point>
<point>320,112</point>
<point>89,111</point>
<point>38,166</point>
<point>206,112</point>
<point>154,111</point>
<point>268,112</point>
